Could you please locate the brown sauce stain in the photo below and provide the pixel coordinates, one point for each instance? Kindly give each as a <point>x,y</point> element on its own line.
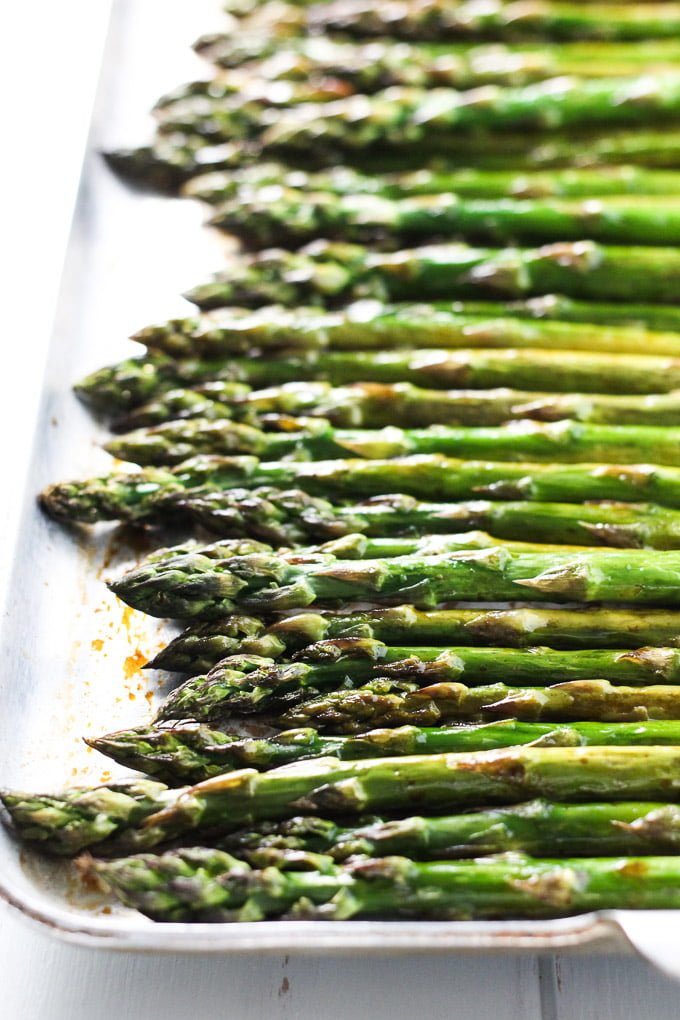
<point>633,868</point>
<point>133,663</point>
<point>127,542</point>
<point>127,618</point>
<point>85,880</point>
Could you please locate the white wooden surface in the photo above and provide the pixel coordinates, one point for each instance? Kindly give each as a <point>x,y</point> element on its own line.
<point>44,980</point>
<point>49,58</point>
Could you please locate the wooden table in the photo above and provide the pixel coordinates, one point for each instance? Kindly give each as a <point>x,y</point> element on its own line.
<point>45,980</point>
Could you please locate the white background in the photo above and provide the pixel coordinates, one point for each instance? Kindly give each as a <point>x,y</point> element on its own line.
<point>49,60</point>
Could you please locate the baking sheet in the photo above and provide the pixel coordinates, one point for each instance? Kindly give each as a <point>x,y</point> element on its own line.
<point>72,654</point>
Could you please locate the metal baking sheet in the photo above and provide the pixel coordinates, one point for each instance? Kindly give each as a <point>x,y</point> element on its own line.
<point>72,654</point>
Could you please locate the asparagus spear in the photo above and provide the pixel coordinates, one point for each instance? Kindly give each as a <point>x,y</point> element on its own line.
<point>290,217</point>
<point>282,113</point>
<point>419,782</point>
<point>368,325</point>
<point>285,15</point>
<point>374,65</point>
<point>376,405</point>
<point>434,119</point>
<point>386,702</point>
<point>216,187</point>
<point>326,272</point>
<point>556,306</point>
<point>198,648</point>
<point>193,554</point>
<point>142,496</point>
<point>207,885</point>
<point>422,782</point>
<point>437,19</point>
<point>290,517</point>
<point>398,703</point>
<point>174,159</point>
<point>252,83</point>
<point>192,752</point>
<point>537,827</point>
<point>566,441</point>
<point>196,587</point>
<point>282,117</point>
<point>196,560</point>
<point>242,112</point>
<point>280,517</point>
<point>184,403</point>
<point>65,823</point>
<point>137,380</point>
<point>133,381</point>
<point>252,684</point>
<point>209,400</point>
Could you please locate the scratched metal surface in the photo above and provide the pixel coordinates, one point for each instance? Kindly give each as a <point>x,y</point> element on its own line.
<point>71,653</point>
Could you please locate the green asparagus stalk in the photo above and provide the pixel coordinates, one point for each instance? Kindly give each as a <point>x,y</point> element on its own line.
<point>170,160</point>
<point>290,217</point>
<point>537,827</point>
<point>142,497</point>
<point>197,587</point>
<point>282,117</point>
<point>555,306</point>
<point>423,782</point>
<point>189,554</point>
<point>399,703</point>
<point>195,559</point>
<point>209,401</point>
<point>174,159</point>
<point>376,405</point>
<point>252,684</point>
<point>208,885</point>
<point>219,186</point>
<point>253,104</point>
<point>240,112</point>
<point>438,20</point>
<point>566,441</point>
<point>251,83</point>
<point>182,403</point>
<point>326,272</point>
<point>435,119</point>
<point>326,785</point>
<point>134,382</point>
<point>279,517</point>
<point>65,823</point>
<point>192,752</point>
<point>368,325</point>
<point>380,63</point>
<point>290,517</point>
<point>125,497</point>
<point>285,15</point>
<point>200,647</point>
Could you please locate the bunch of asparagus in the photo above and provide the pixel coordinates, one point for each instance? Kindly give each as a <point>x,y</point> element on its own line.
<point>359,476</point>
